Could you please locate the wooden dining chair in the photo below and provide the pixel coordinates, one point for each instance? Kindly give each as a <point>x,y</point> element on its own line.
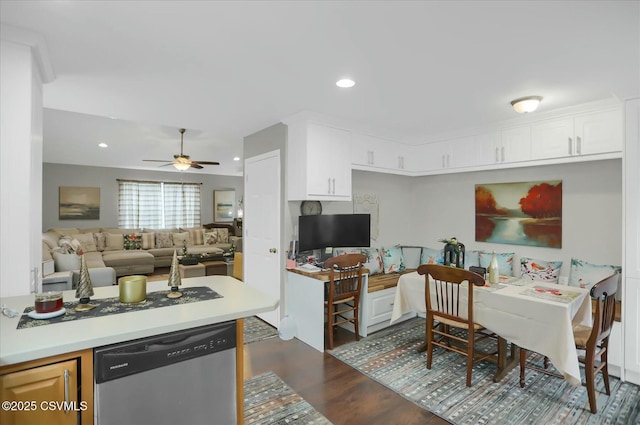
<point>342,298</point>
<point>445,298</point>
<point>594,340</point>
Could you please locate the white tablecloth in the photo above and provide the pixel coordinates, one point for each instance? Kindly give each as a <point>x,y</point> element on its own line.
<point>537,324</point>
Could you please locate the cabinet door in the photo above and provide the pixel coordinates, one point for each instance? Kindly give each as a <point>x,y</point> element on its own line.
<point>552,139</point>
<point>515,144</point>
<point>41,384</point>
<point>462,152</point>
<point>361,150</point>
<point>328,161</point>
<point>599,132</point>
<point>432,156</point>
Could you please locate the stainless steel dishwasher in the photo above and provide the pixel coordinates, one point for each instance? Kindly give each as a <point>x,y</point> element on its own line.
<point>184,377</point>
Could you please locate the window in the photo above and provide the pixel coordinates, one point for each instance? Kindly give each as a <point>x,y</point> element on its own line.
<point>158,205</point>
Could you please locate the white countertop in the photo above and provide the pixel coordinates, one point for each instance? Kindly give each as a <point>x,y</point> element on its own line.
<point>19,345</point>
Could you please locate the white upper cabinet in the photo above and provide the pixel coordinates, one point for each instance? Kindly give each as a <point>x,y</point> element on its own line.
<point>512,145</point>
<point>584,134</point>
<point>447,154</point>
<point>374,153</point>
<point>318,162</point>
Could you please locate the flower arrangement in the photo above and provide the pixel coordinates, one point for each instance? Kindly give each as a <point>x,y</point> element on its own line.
<point>453,242</point>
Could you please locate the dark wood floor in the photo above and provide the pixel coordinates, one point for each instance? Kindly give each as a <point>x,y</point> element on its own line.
<point>339,392</point>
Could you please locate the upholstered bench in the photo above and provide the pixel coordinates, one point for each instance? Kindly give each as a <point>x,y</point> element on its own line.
<point>129,262</point>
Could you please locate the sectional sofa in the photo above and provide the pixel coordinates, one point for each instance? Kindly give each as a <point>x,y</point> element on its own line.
<point>114,252</point>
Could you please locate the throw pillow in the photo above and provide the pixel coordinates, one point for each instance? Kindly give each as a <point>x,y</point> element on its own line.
<point>373,261</point>
<point>392,259</point>
<point>546,271</point>
<point>585,274</point>
<point>101,240</point>
<point>505,261</point>
<point>148,240</point>
<point>211,238</point>
<point>87,241</point>
<point>114,242</point>
<point>180,238</point>
<point>471,258</point>
<point>51,238</point>
<point>64,262</point>
<point>132,242</point>
<point>432,256</point>
<point>216,236</point>
<point>164,240</point>
<point>223,235</point>
<point>196,236</point>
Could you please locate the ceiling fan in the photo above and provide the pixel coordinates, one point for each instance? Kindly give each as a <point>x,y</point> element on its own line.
<point>182,162</point>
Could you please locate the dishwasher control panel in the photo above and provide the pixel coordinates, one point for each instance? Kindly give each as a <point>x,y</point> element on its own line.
<point>123,359</point>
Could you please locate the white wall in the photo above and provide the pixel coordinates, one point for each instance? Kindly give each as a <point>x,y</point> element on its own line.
<point>56,175</point>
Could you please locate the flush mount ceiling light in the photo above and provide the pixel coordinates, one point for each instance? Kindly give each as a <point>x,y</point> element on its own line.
<point>526,104</point>
<point>103,145</point>
<point>345,83</point>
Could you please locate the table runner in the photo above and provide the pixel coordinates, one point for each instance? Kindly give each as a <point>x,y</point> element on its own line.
<point>110,306</point>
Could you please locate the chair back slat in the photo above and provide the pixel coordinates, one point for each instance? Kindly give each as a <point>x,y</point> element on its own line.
<point>604,294</point>
<point>345,275</point>
<point>447,290</point>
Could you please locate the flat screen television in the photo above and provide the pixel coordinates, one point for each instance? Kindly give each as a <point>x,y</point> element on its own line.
<point>334,230</point>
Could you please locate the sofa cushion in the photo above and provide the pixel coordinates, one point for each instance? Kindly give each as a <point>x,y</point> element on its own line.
<point>91,230</point>
<point>392,259</point>
<point>585,274</point>
<point>65,262</point>
<point>126,258</point>
<point>118,230</point>
<point>432,256</point>
<point>46,252</point>
<point>87,242</point>
<point>180,238</point>
<point>505,261</point>
<point>93,259</point>
<point>546,271</point>
<point>196,236</point>
<point>66,231</point>
<point>164,240</point>
<point>471,258</point>
<point>114,242</point>
<point>148,240</point>
<point>51,238</point>
<point>162,252</point>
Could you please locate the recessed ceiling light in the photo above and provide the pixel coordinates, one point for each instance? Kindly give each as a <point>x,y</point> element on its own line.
<point>103,145</point>
<point>236,158</point>
<point>345,83</point>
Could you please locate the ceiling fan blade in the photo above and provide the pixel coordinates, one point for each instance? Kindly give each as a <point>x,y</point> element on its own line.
<point>156,160</point>
<point>194,165</point>
<point>207,162</point>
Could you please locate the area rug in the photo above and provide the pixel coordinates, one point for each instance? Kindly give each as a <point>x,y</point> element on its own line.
<point>268,400</point>
<point>391,358</point>
<point>257,330</point>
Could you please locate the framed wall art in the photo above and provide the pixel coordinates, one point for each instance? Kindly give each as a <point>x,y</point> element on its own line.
<point>524,213</point>
<point>223,205</point>
<point>79,203</point>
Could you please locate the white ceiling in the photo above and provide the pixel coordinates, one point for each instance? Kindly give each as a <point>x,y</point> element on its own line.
<point>224,70</point>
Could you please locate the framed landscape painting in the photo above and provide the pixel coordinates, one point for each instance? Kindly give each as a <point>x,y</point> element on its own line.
<point>525,213</point>
<point>223,205</point>
<point>79,203</point>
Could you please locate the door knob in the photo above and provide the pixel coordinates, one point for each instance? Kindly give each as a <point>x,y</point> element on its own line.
<point>273,250</point>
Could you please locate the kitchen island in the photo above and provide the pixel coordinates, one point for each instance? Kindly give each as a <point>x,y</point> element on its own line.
<point>20,347</point>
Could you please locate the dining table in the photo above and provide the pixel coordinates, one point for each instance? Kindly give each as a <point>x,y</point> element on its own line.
<point>534,315</point>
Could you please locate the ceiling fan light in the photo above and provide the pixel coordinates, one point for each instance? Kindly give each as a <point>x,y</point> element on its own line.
<point>526,104</point>
<point>181,166</point>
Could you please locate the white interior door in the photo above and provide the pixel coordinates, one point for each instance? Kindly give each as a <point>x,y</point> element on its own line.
<point>261,227</point>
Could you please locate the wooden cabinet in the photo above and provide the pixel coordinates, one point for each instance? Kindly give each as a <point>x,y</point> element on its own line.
<point>54,390</point>
<point>585,134</point>
<point>318,162</point>
<point>377,154</point>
